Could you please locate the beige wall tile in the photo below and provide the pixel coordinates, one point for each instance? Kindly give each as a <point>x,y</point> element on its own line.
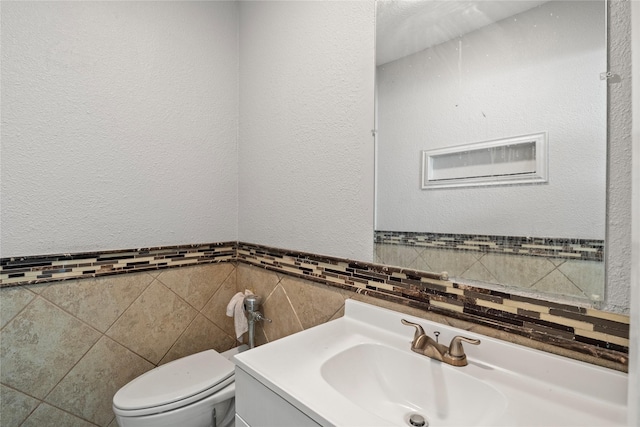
<point>338,314</point>
<point>557,261</point>
<point>420,263</point>
<point>15,407</point>
<point>622,318</point>
<point>202,334</point>
<point>452,261</point>
<point>153,322</point>
<point>40,345</point>
<point>586,275</point>
<point>156,318</point>
<point>284,321</point>
<point>196,284</point>
<point>87,391</point>
<point>48,416</point>
<point>447,306</point>
<point>520,271</point>
<point>216,308</point>
<point>155,273</point>
<point>100,301</point>
<point>313,303</point>
<point>12,300</point>
<point>495,306</point>
<point>479,272</point>
<point>259,280</point>
<point>557,283</point>
<point>37,288</point>
<point>527,306</point>
<point>398,255</point>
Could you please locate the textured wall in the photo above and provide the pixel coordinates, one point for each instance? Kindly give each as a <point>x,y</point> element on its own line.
<point>119,124</point>
<point>62,193</point>
<point>537,71</point>
<point>634,356</point>
<point>306,112</point>
<point>618,241</point>
<point>111,143</point>
<point>67,347</point>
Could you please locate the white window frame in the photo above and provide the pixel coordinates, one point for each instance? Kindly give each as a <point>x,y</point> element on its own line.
<point>540,174</point>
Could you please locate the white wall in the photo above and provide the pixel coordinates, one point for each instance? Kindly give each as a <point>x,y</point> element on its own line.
<point>119,124</point>
<point>306,114</point>
<point>427,102</point>
<point>619,168</point>
<point>634,347</point>
<point>109,142</point>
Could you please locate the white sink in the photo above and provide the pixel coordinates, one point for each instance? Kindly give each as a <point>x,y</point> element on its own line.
<point>395,384</point>
<point>359,370</point>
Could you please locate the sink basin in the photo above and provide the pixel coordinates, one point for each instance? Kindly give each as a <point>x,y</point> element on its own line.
<point>395,384</point>
<point>359,371</point>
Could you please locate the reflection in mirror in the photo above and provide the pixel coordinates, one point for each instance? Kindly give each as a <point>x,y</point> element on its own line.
<point>460,73</point>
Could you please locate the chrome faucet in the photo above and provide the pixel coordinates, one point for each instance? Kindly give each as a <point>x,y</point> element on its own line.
<point>453,355</point>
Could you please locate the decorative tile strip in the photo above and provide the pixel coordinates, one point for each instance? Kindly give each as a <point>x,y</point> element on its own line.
<point>583,330</point>
<point>48,268</point>
<point>588,250</point>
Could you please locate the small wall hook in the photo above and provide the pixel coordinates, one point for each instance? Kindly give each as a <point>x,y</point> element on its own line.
<point>606,75</point>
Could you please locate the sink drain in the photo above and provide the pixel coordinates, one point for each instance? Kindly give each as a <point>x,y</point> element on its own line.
<point>417,420</point>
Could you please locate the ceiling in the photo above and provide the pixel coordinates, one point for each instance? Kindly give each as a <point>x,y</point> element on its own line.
<point>408,26</point>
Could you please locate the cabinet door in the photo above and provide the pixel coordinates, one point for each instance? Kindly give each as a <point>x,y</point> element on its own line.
<point>258,406</point>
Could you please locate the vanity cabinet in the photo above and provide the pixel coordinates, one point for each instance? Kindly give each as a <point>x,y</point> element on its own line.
<point>259,406</point>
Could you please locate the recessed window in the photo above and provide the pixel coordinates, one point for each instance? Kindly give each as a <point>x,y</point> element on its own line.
<point>516,160</point>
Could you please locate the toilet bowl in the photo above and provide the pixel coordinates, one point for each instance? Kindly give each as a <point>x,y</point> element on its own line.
<point>194,391</point>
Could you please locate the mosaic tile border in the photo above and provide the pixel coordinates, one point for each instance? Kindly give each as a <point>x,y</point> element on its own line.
<point>602,335</point>
<point>584,330</point>
<point>577,249</point>
<point>48,268</point>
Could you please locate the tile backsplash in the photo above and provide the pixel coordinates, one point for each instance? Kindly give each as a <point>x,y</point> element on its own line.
<point>75,328</point>
<point>591,250</point>
<point>581,329</point>
<point>567,268</point>
<point>47,268</point>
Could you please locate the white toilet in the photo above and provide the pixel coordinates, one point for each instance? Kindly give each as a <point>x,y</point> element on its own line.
<point>195,391</point>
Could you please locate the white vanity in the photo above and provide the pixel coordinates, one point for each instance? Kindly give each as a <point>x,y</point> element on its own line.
<point>359,370</point>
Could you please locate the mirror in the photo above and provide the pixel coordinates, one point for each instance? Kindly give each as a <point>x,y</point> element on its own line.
<point>455,77</point>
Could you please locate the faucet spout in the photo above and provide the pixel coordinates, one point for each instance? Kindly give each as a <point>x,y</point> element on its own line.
<point>433,349</point>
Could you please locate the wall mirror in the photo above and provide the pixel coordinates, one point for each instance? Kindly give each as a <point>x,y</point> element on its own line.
<point>458,74</point>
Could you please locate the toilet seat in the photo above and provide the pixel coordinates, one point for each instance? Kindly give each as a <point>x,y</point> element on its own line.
<point>175,384</point>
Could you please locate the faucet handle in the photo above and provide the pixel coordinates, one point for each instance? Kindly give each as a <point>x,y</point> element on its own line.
<point>259,316</point>
<point>455,348</point>
<point>419,331</point>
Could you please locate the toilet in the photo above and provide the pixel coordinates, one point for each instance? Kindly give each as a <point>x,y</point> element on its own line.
<point>194,391</point>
